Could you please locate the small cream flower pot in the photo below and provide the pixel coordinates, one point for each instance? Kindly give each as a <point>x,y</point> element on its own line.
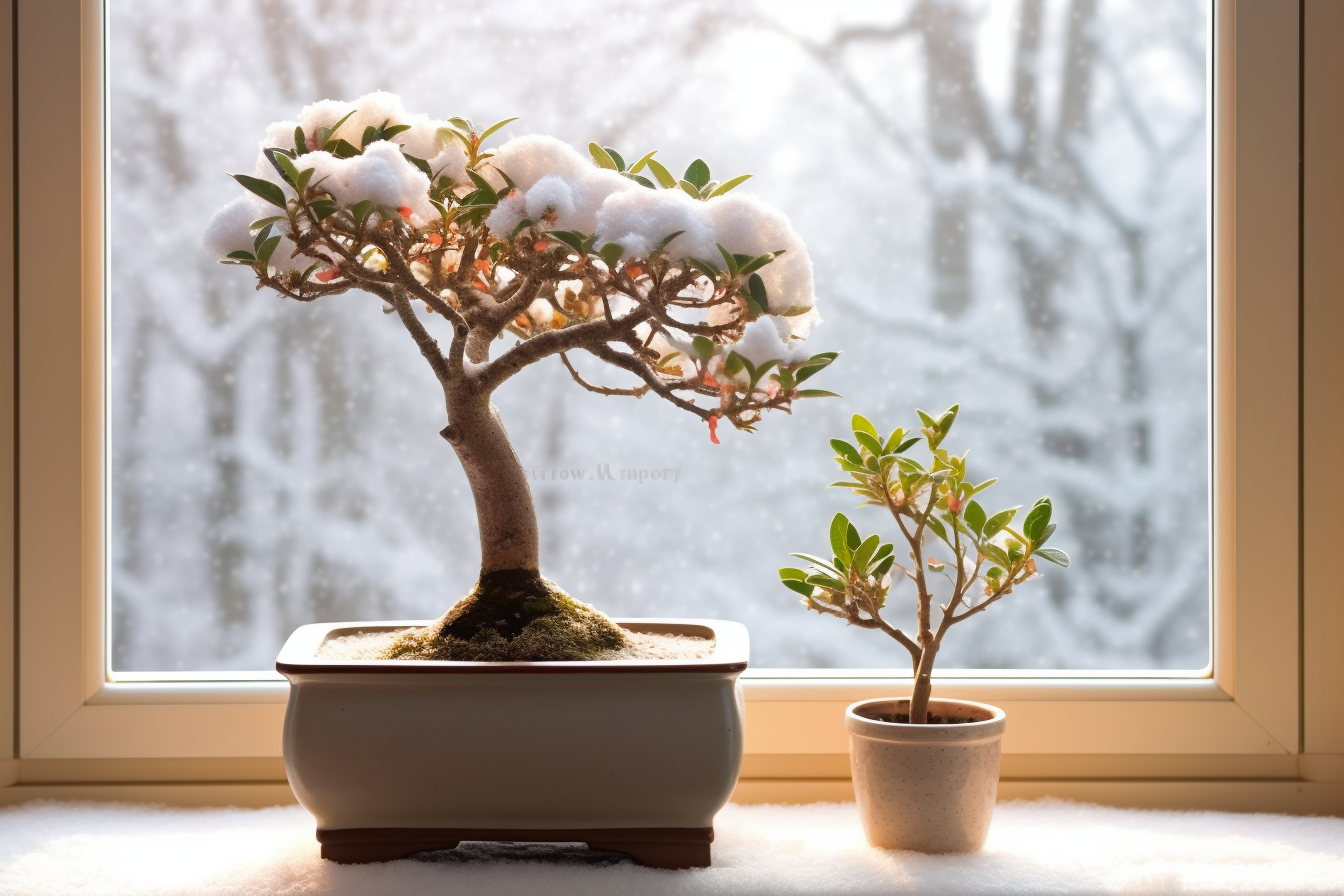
<point>394,757</point>
<point>929,788</point>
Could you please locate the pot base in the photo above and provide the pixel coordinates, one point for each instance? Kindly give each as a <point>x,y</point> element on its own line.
<point>651,847</point>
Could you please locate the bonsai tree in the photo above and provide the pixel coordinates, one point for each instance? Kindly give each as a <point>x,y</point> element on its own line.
<point>947,532</point>
<point>704,298</point>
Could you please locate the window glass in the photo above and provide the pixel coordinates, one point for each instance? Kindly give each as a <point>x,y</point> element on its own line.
<point>1006,205</point>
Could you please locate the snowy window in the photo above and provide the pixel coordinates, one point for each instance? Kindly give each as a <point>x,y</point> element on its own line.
<point>1006,204</point>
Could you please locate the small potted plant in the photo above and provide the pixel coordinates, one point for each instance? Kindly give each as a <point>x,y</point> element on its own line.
<point>522,713</point>
<point>925,770</point>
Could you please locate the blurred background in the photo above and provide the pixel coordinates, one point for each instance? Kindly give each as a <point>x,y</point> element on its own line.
<point>1006,204</point>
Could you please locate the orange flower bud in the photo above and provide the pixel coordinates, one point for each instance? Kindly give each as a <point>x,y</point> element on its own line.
<point>541,245</point>
<point>434,240</point>
<point>328,275</point>
<point>523,321</point>
<point>634,271</point>
<point>483,264</point>
<point>405,212</point>
<point>714,430</point>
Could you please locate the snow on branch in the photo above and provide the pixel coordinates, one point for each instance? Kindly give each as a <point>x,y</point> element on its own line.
<point>670,278</point>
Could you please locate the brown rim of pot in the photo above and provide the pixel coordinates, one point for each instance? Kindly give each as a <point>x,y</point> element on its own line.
<point>988,728</point>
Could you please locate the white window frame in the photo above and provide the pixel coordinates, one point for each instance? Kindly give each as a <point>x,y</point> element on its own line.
<point>1261,730</point>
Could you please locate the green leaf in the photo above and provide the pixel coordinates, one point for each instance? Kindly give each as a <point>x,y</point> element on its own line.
<point>729,260</point>
<point>974,515</point>
<point>571,238</point>
<point>852,539</point>
<point>733,364</point>
<point>790,572</point>
<point>242,255</point>
<point>300,141</point>
<point>1037,520</point>
<point>883,566</point>
<point>698,174</point>
<point>419,163</point>
<point>811,558</point>
<point>643,160</point>
<point>995,553</point>
<point>461,124</point>
<point>839,530</point>
<point>703,347</point>
<point>729,184</point>
<point>949,416</point>
<point>601,157</point>
<point>708,268</point>
<point>1055,556</point>
<point>756,290</point>
<point>337,126</point>
<point>611,254</point>
<point>860,423</point>
<point>823,581</point>
<point>271,192</point>
<point>262,235</point>
<point>389,133</point>
<point>982,486</point>
<point>267,248</point>
<point>936,526</point>
<point>816,393</point>
<point>863,554</point>
<point>755,264</point>
<point>924,418</point>
<point>689,189</point>
<point>616,157</point>
<point>798,587</point>
<point>870,442</point>
<point>1045,536</point>
<point>324,208</point>
<point>494,127</point>
<point>360,211</point>
<point>996,523</point>
<point>285,167</point>
<point>642,181</point>
<point>664,176</point>
<point>847,451</point>
<point>341,149</point>
<point>370,134</point>
<point>264,222</point>
<point>906,445</point>
<point>483,185</point>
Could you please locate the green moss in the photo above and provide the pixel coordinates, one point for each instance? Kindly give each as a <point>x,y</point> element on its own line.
<point>513,615</point>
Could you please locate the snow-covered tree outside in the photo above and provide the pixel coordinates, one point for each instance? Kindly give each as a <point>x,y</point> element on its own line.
<point>1005,204</point>
<point>689,291</point>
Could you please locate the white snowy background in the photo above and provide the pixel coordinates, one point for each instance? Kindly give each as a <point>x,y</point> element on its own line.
<point>1006,206</point>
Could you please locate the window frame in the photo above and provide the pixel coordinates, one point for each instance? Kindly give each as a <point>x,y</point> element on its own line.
<point>1261,730</point>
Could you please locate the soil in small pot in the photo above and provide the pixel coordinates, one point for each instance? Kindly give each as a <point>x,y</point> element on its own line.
<point>513,615</point>
<point>903,718</point>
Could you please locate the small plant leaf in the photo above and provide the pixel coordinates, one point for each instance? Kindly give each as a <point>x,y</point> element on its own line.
<point>974,515</point>
<point>663,176</point>
<point>271,192</point>
<point>839,529</point>
<point>729,184</point>
<point>601,157</point>
<point>494,127</point>
<point>996,523</point>
<point>1055,556</point>
<point>1039,517</point>
<point>697,173</point>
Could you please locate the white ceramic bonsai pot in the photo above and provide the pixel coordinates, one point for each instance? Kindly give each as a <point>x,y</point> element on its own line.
<point>929,788</point>
<point>394,757</point>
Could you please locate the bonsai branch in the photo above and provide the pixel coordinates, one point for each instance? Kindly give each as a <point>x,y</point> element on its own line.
<point>633,392</point>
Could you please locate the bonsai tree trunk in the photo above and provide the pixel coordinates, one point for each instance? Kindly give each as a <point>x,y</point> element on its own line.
<point>513,613</point>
